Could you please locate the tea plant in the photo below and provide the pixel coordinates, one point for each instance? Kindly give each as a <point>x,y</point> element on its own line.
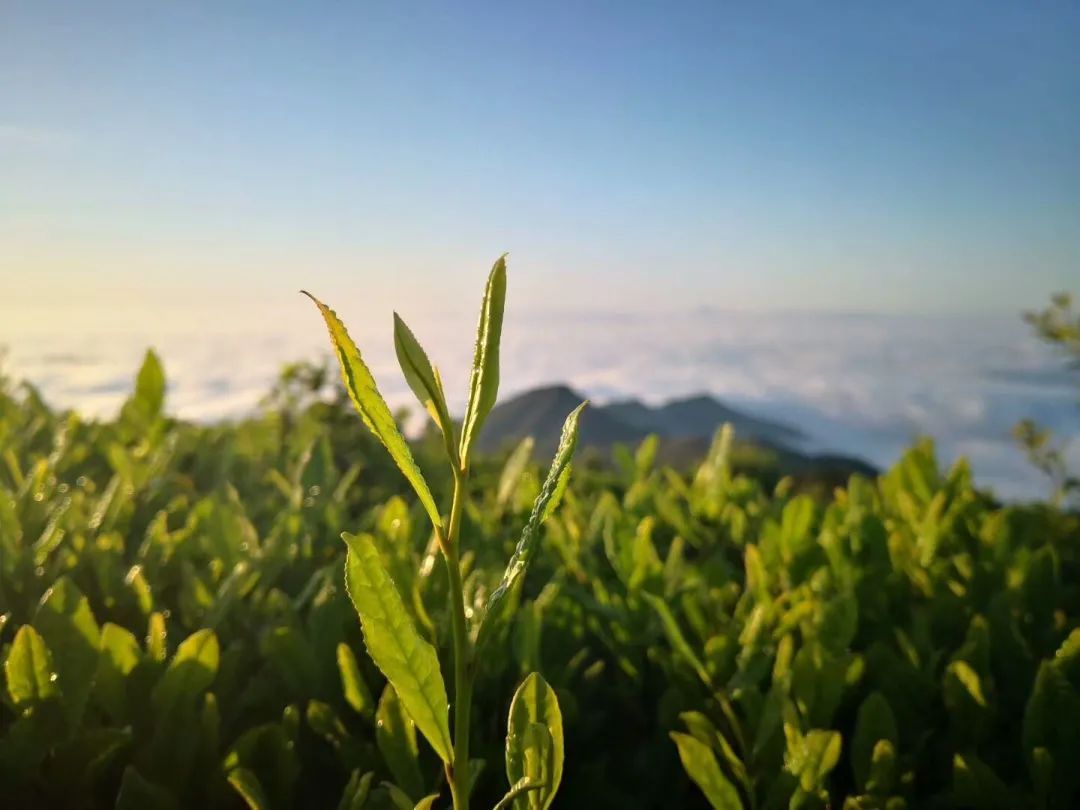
<point>175,629</point>
<point>534,742</point>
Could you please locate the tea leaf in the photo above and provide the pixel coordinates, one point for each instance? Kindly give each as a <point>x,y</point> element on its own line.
<point>247,785</point>
<point>882,774</point>
<point>675,636</point>
<point>269,751</point>
<point>520,787</point>
<point>976,785</point>
<point>811,757</point>
<point>549,493</point>
<point>29,669</point>
<point>324,721</point>
<point>120,653</point>
<point>353,686</point>
<point>356,792</point>
<point>147,401</point>
<point>408,662</point>
<point>484,383</point>
<point>398,797</point>
<point>875,722</point>
<point>373,409</point>
<point>701,766</point>
<point>157,637</point>
<point>425,383</point>
<point>702,729</point>
<point>395,734</point>
<point>534,742</point>
<point>68,627</point>
<point>513,470</point>
<point>190,672</point>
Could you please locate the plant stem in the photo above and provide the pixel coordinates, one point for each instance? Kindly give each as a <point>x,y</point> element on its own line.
<point>458,772</point>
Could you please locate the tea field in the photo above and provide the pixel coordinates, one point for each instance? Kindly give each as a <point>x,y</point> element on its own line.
<point>175,629</point>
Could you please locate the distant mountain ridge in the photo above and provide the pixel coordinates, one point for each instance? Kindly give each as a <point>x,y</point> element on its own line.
<point>685,427</point>
<point>540,412</point>
<point>697,415</point>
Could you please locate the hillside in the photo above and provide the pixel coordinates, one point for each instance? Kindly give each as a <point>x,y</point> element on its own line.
<point>685,428</point>
<point>698,416</point>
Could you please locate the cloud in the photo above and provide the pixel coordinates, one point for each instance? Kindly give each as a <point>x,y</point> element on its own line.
<point>864,385</point>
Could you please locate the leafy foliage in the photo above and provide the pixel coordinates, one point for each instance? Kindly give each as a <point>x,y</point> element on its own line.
<point>175,629</point>
<point>1059,326</point>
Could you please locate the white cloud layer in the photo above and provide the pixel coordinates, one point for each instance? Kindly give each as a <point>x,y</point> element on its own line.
<point>859,384</point>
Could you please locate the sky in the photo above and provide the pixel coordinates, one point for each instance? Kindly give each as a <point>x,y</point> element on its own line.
<point>171,158</point>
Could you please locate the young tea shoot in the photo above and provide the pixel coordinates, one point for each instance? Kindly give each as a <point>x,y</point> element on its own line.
<point>534,740</point>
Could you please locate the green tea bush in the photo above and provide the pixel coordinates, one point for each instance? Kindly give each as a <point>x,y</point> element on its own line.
<point>534,736</point>
<point>176,628</point>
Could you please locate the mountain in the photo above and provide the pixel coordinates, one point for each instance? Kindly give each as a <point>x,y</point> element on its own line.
<point>685,427</point>
<point>540,413</point>
<point>699,416</point>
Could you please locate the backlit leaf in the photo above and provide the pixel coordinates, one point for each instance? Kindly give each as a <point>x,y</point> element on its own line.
<point>408,661</point>
<point>28,670</point>
<point>356,792</point>
<point>513,470</point>
<point>148,399</point>
<point>120,652</point>
<point>675,635</point>
<point>519,561</point>
<point>190,672</point>
<point>811,757</point>
<point>424,381</point>
<point>353,686</point>
<point>247,785</point>
<point>65,622</point>
<point>519,788</point>
<point>534,742</point>
<point>484,383</point>
<point>701,766</point>
<point>875,722</point>
<point>373,408</point>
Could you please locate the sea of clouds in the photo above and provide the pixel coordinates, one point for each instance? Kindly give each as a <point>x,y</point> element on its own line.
<point>865,385</point>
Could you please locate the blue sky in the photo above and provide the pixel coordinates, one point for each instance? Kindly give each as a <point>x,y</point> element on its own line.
<point>877,157</point>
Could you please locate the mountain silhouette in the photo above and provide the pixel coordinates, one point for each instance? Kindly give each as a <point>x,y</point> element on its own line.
<point>540,413</point>
<point>699,415</point>
<point>685,428</point>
